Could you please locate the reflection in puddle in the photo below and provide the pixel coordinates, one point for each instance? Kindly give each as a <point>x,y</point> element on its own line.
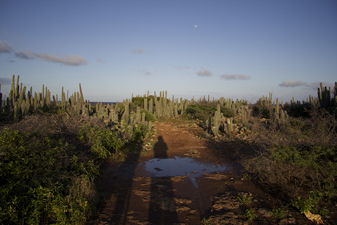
<point>170,167</point>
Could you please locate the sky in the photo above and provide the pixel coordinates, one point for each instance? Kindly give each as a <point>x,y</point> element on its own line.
<point>189,48</point>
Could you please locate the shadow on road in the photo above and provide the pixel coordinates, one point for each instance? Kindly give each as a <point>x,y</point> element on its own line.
<point>162,207</point>
<point>122,187</point>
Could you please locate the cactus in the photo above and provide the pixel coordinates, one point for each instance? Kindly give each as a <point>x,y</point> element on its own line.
<point>21,96</point>
<point>149,124</point>
<point>216,122</point>
<point>229,126</point>
<point>16,111</point>
<point>138,115</point>
<point>143,117</point>
<point>126,114</point>
<point>282,118</point>
<point>151,106</point>
<point>176,108</point>
<point>324,96</point>
<point>209,124</point>
<point>145,104</point>
<point>82,98</point>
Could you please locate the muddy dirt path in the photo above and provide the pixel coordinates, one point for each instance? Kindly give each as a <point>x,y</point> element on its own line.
<point>182,180</point>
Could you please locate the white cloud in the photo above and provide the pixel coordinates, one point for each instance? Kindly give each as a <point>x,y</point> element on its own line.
<point>292,83</point>
<point>100,60</point>
<point>204,73</point>
<point>138,51</point>
<point>235,77</point>
<point>23,55</point>
<point>71,60</point>
<point>5,48</point>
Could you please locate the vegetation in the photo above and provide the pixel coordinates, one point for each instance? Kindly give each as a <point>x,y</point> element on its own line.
<point>245,199</point>
<point>250,214</point>
<point>44,180</point>
<point>104,142</point>
<point>204,111</point>
<point>48,168</point>
<point>49,177</point>
<point>280,213</point>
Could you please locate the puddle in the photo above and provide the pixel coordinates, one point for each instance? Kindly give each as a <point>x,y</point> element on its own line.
<point>178,166</point>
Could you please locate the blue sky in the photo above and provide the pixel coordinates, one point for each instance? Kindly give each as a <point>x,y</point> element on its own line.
<point>234,49</point>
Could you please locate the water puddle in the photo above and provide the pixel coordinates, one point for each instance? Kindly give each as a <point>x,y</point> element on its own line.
<point>178,166</point>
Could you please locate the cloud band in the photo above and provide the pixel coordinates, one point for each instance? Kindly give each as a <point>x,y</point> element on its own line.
<point>234,77</point>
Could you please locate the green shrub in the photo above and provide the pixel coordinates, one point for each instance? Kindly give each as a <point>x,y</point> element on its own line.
<point>296,123</point>
<point>250,214</point>
<point>298,110</point>
<point>141,130</point>
<point>261,111</point>
<point>280,213</point>
<point>293,170</point>
<point>203,111</point>
<point>104,141</point>
<point>244,199</point>
<point>38,182</point>
<point>309,204</point>
<point>148,115</point>
<point>139,101</point>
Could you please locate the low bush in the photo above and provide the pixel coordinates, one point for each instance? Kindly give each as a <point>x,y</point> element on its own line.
<point>104,142</point>
<point>148,116</point>
<point>141,131</point>
<point>298,110</point>
<point>280,213</point>
<point>250,214</point>
<point>298,161</point>
<point>44,180</point>
<point>296,171</point>
<point>261,111</point>
<point>139,101</point>
<point>203,111</point>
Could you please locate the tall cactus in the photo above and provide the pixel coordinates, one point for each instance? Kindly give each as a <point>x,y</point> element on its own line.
<point>151,106</point>
<point>229,126</point>
<point>145,104</point>
<point>324,96</point>
<point>126,113</point>
<point>82,98</point>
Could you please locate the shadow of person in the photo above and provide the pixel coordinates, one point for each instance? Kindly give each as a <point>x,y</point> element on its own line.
<point>162,205</point>
<point>160,148</point>
<point>124,178</point>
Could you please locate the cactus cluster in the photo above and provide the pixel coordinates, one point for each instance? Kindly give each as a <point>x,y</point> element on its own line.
<point>244,113</point>
<point>219,123</point>
<point>326,97</point>
<point>126,117</point>
<point>161,106</point>
<point>20,103</point>
<point>280,116</point>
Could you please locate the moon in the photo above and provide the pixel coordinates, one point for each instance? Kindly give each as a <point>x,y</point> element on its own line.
<point>195,26</point>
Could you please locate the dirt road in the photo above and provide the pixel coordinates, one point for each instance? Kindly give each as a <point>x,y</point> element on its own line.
<point>184,179</point>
